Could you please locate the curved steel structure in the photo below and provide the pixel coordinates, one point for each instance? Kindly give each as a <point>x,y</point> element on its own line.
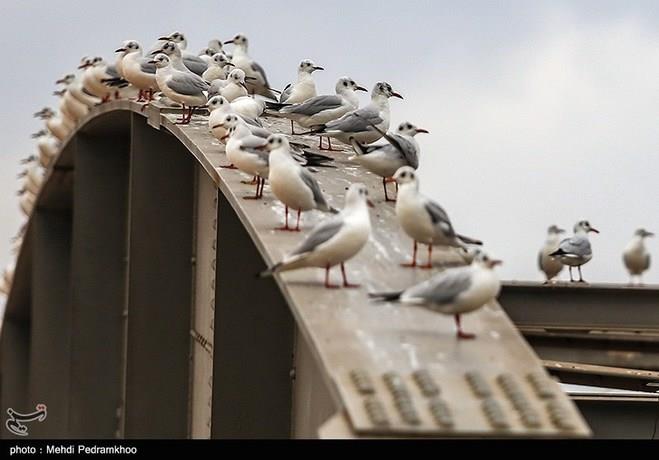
<point>135,311</point>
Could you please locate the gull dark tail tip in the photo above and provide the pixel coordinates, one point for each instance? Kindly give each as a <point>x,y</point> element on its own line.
<point>385,296</point>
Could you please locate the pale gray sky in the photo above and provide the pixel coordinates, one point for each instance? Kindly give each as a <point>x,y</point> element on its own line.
<point>541,112</point>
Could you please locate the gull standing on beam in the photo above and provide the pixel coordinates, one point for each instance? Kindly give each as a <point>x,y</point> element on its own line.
<point>138,70</point>
<point>384,160</point>
<point>636,256</point>
<point>454,291</point>
<point>246,152</point>
<point>257,81</point>
<point>423,220</point>
<point>333,241</point>
<point>576,251</point>
<point>291,184</point>
<point>358,124</point>
<point>320,110</point>
<point>549,265</point>
<point>187,62</point>
<point>185,88</point>
<point>303,89</point>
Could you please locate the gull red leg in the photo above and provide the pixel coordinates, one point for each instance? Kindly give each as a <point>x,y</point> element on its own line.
<point>413,263</point>
<point>345,279</point>
<point>292,128</point>
<point>285,227</point>
<point>329,285</point>
<point>429,264</point>
<point>320,142</point>
<point>297,225</point>
<point>180,121</point>
<point>256,192</point>
<point>461,334</point>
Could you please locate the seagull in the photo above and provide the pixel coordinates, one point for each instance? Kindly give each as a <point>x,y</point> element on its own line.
<point>234,87</point>
<point>138,70</point>
<point>423,220</point>
<point>320,110</point>
<point>636,257</point>
<point>333,241</point>
<point>217,68</point>
<point>183,87</point>
<point>206,55</point>
<point>454,291</point>
<point>59,125</point>
<point>384,160</point>
<point>246,152</point>
<point>291,184</point>
<point>176,37</point>
<point>358,123</point>
<point>183,62</point>
<point>47,145</point>
<point>576,251</point>
<point>257,80</point>
<point>101,79</point>
<point>303,89</point>
<point>547,264</point>
<point>219,108</point>
<point>69,104</point>
<point>75,88</point>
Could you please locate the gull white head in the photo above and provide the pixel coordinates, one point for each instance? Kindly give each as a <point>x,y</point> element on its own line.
<point>237,76</point>
<point>554,230</point>
<point>357,195</point>
<point>240,41</point>
<point>170,49</point>
<point>66,79</point>
<point>408,129</point>
<point>584,227</point>
<point>308,66</point>
<point>129,46</point>
<point>481,259</point>
<point>643,233</point>
<point>277,141</point>
<point>207,52</point>
<point>347,85</point>
<point>406,175</point>
<point>178,38</point>
<point>215,45</point>
<point>221,60</point>
<point>45,113</point>
<point>217,103</point>
<point>86,62</point>
<point>384,89</point>
<point>161,61</point>
<point>229,121</point>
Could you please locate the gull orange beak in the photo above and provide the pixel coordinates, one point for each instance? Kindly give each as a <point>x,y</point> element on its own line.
<point>370,203</point>
<point>396,95</point>
<point>361,88</point>
<point>594,230</point>
<point>421,130</point>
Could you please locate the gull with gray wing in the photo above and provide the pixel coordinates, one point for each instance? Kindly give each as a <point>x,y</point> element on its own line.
<point>291,184</point>
<point>333,241</point>
<point>384,160</point>
<point>576,250</point>
<point>185,88</point>
<point>454,291</point>
<point>423,220</point>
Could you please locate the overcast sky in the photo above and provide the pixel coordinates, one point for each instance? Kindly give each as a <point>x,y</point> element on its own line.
<point>540,112</point>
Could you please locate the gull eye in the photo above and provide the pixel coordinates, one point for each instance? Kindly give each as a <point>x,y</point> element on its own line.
<point>345,83</point>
